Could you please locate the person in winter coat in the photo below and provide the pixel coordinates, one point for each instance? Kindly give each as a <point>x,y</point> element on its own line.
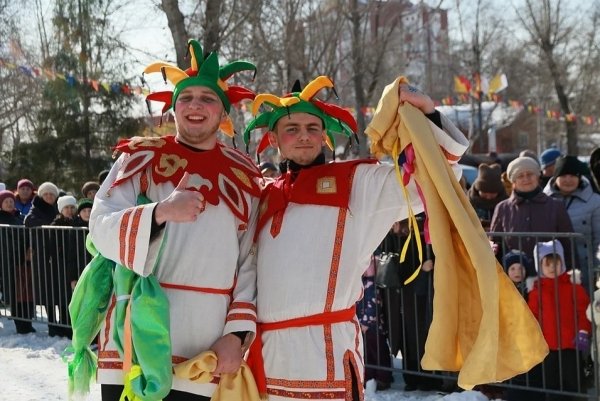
<point>559,305</point>
<point>42,213</point>
<point>89,189</point>
<point>24,197</point>
<point>15,276</point>
<point>486,192</point>
<point>43,209</point>
<point>64,270</point>
<point>369,311</point>
<point>548,164</point>
<point>528,209</point>
<point>84,209</point>
<point>516,264</point>
<point>583,206</point>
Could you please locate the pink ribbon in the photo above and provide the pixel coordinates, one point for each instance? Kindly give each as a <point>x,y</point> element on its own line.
<point>408,168</point>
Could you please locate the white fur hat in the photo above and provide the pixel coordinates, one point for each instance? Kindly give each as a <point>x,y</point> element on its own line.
<point>66,200</point>
<point>47,187</point>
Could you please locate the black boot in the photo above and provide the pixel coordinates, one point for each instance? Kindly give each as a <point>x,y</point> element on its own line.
<point>24,327</point>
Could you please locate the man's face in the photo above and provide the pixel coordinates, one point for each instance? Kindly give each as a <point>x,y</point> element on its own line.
<point>24,192</point>
<point>198,113</point>
<point>526,181</point>
<point>299,137</point>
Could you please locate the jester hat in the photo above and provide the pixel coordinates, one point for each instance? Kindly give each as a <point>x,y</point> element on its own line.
<point>335,119</point>
<point>202,72</point>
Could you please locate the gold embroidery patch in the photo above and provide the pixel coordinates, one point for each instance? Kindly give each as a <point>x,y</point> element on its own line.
<point>242,176</point>
<point>326,185</point>
<point>169,164</point>
<point>145,142</point>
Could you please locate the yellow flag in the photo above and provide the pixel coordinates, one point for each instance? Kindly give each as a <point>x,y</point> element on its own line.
<point>497,84</point>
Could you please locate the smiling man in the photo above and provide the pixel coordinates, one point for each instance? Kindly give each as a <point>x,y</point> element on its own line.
<point>318,226</point>
<point>181,210</point>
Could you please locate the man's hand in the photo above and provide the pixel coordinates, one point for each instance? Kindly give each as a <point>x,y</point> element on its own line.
<point>182,205</point>
<point>229,354</point>
<point>410,94</point>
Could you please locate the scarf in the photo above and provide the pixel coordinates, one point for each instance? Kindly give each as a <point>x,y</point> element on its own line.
<point>528,195</point>
<point>481,325</point>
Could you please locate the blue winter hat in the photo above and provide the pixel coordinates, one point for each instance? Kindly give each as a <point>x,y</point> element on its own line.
<point>549,156</point>
<point>516,256</point>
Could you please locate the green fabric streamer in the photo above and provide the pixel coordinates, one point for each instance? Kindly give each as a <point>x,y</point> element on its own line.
<point>150,325</point>
<point>123,280</point>
<point>150,332</point>
<point>88,308</point>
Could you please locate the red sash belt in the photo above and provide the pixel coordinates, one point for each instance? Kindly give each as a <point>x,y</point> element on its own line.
<point>255,357</point>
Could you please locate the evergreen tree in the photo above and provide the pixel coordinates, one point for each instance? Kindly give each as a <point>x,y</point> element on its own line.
<point>87,105</point>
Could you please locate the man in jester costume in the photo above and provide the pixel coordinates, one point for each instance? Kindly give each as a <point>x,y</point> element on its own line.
<point>318,226</point>
<point>177,215</point>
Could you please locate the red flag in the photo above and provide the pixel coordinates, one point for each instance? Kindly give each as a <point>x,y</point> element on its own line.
<point>461,84</point>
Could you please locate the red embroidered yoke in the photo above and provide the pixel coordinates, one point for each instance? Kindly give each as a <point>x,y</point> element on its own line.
<point>204,266</point>
<point>327,185</point>
<point>221,172</point>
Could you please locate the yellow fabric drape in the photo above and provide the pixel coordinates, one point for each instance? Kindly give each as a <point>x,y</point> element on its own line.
<point>235,386</point>
<point>481,325</point>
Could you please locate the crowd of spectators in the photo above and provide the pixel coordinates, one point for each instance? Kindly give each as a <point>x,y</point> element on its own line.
<point>41,266</point>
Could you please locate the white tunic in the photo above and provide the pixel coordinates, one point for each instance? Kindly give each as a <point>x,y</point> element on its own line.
<point>314,265</point>
<point>212,252</point>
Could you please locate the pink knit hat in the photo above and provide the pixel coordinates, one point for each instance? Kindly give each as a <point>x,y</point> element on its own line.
<point>6,194</point>
<point>24,182</point>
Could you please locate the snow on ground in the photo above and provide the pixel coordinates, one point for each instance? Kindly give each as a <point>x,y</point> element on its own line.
<point>31,369</point>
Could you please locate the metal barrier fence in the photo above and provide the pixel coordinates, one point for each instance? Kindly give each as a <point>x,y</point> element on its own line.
<point>39,267</point>
<point>405,312</point>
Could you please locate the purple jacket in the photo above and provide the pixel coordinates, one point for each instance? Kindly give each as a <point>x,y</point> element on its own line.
<point>538,214</point>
